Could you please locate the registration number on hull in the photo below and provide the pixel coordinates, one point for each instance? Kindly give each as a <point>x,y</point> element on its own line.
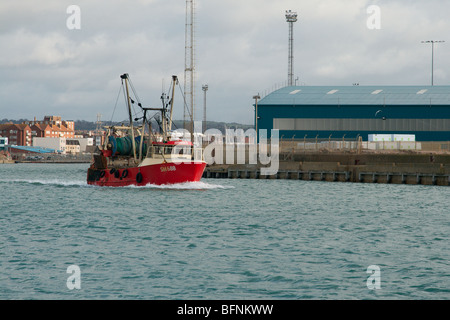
<point>168,169</point>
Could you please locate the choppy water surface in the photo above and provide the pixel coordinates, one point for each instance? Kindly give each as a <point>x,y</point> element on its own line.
<point>219,239</point>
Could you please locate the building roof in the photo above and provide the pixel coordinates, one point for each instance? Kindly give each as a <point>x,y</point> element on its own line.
<point>33,149</point>
<point>40,126</point>
<point>10,126</point>
<point>359,95</point>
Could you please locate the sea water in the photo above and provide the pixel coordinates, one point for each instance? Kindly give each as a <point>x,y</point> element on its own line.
<point>219,239</point>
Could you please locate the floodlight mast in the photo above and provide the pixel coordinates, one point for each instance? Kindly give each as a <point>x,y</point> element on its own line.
<point>432,56</point>
<point>189,68</point>
<point>291,17</point>
<point>204,88</point>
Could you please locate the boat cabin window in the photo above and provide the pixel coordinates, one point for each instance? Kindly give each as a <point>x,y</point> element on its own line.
<point>186,150</point>
<point>168,150</point>
<point>158,150</point>
<point>179,150</point>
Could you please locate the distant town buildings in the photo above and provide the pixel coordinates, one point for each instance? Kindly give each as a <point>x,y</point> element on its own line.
<point>63,145</point>
<point>85,143</point>
<point>56,144</point>
<point>52,127</point>
<point>52,134</point>
<point>17,134</point>
<point>3,143</point>
<point>73,146</point>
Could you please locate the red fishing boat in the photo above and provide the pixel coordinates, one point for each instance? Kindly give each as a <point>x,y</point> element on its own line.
<point>129,156</point>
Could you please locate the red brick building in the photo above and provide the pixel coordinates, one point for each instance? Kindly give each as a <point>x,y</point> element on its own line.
<point>53,127</point>
<point>17,134</point>
<point>40,130</point>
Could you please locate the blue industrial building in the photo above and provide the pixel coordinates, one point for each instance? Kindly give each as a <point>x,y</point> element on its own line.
<point>356,111</point>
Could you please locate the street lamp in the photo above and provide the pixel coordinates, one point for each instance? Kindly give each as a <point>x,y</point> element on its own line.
<point>432,55</point>
<point>291,17</point>
<point>256,115</point>
<point>204,88</point>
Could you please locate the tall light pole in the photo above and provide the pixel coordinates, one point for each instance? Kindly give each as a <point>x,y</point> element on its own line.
<point>256,115</point>
<point>189,67</point>
<point>291,17</point>
<point>204,88</point>
<point>432,56</point>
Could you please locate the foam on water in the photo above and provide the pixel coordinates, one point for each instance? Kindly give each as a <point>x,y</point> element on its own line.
<point>199,185</point>
<point>52,182</point>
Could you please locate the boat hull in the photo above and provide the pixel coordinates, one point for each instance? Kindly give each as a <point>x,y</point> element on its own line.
<point>156,174</point>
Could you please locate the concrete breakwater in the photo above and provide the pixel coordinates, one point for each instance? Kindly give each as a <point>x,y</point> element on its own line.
<point>425,169</point>
<point>61,161</point>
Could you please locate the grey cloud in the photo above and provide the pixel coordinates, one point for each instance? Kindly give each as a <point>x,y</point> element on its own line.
<point>241,49</point>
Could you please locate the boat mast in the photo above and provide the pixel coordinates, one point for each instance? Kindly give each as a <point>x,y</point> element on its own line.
<point>144,119</point>
<point>175,79</point>
<point>125,77</point>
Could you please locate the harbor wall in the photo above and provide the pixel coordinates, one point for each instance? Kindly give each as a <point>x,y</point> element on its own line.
<point>394,168</point>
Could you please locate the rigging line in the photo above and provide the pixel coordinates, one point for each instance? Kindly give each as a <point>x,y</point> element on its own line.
<point>170,102</point>
<point>149,124</point>
<point>173,123</point>
<point>136,96</point>
<point>126,99</point>
<point>153,117</point>
<point>115,106</point>
<point>134,90</point>
<point>135,114</point>
<point>185,104</point>
<point>153,136</point>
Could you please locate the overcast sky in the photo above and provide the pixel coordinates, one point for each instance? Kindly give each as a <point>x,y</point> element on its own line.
<point>241,49</point>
